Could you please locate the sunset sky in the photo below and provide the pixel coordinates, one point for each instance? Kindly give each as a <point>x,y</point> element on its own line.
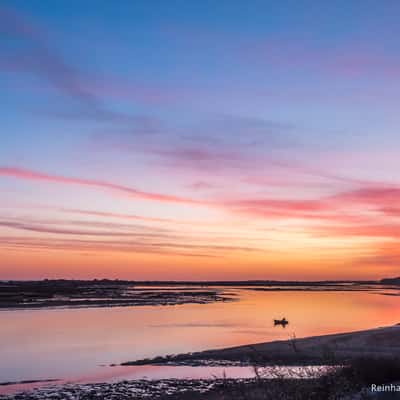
<point>199,139</point>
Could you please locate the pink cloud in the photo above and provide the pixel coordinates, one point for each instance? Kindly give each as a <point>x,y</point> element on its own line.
<point>121,216</point>
<point>365,206</point>
<point>26,174</point>
<point>377,196</point>
<point>293,205</point>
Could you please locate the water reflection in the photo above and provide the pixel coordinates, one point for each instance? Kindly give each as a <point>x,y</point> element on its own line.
<point>41,344</point>
<point>154,372</point>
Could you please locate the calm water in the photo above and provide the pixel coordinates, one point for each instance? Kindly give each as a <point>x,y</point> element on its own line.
<point>69,343</point>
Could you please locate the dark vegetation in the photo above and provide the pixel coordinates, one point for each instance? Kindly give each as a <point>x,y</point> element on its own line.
<point>350,382</point>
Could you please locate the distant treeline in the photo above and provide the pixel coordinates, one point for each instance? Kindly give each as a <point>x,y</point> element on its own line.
<point>74,282</point>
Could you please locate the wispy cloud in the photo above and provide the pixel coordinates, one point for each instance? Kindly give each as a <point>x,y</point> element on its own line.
<point>379,196</point>
<point>27,50</point>
<point>383,230</point>
<point>202,185</point>
<point>133,243</point>
<point>135,217</point>
<point>386,254</point>
<point>117,215</point>
<point>96,246</point>
<point>127,191</point>
<point>363,212</point>
<point>348,59</point>
<point>68,231</point>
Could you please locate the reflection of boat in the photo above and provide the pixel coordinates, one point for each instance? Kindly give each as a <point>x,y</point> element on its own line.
<point>282,321</point>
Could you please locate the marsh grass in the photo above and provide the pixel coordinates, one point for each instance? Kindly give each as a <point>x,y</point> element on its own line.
<point>336,383</point>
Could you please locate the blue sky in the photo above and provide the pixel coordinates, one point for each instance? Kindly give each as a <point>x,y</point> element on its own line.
<point>226,112</point>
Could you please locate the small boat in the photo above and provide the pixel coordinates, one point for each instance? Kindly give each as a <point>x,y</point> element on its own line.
<point>282,322</point>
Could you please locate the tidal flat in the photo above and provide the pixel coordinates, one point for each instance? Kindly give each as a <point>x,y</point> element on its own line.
<point>102,293</point>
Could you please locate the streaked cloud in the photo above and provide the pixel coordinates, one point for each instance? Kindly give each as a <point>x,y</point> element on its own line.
<point>253,147</point>
<point>20,173</point>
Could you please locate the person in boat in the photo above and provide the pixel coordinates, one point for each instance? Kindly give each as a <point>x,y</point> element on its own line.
<point>282,321</point>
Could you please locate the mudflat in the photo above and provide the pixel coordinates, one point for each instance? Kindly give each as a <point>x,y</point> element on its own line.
<point>101,293</point>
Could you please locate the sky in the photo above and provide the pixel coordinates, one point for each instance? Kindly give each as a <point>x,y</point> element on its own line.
<point>187,140</point>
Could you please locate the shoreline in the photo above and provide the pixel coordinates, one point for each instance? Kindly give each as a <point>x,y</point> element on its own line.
<point>378,344</point>
<point>82,294</point>
<point>51,294</point>
<point>381,342</point>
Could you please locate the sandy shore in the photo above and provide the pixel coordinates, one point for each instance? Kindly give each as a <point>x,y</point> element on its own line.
<point>326,349</point>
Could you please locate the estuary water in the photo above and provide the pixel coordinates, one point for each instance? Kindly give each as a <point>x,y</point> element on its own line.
<point>72,343</point>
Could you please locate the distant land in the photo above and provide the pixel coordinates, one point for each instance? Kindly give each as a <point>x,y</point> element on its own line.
<point>117,293</point>
<point>391,281</point>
